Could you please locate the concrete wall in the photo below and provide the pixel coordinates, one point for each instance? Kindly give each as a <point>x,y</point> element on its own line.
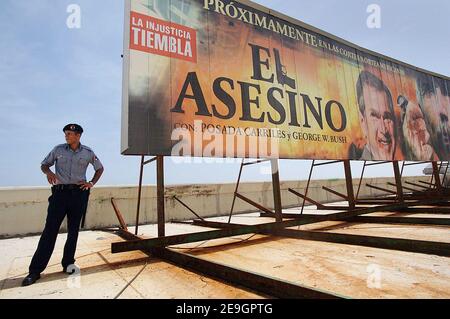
<point>23,210</point>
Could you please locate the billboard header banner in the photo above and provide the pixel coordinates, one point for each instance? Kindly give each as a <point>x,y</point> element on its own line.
<point>219,78</point>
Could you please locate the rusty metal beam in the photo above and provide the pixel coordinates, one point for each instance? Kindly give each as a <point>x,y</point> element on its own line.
<point>378,219</point>
<point>398,181</point>
<point>404,187</point>
<point>400,220</point>
<point>187,207</point>
<point>253,203</point>
<point>327,163</point>
<point>417,185</point>
<point>437,177</point>
<point>276,190</point>
<point>335,192</point>
<point>160,204</point>
<point>378,163</point>
<point>312,201</point>
<point>349,184</point>
<point>122,223</point>
<point>409,245</point>
<point>215,234</point>
<point>138,208</point>
<point>382,189</point>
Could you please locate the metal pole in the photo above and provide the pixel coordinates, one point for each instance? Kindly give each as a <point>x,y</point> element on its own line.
<point>398,181</point>
<point>307,186</point>
<point>139,195</point>
<point>235,191</point>
<point>160,194</point>
<point>276,190</point>
<point>436,172</point>
<point>360,180</point>
<point>349,182</point>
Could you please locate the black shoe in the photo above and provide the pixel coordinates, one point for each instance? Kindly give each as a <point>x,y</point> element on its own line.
<point>30,279</point>
<point>67,272</point>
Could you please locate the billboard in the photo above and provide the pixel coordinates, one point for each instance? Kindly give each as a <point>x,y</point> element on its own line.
<point>219,78</point>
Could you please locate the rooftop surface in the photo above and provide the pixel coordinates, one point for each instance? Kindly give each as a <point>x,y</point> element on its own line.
<point>342,269</point>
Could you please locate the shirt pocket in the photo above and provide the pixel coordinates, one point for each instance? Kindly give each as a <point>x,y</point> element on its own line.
<point>62,163</point>
<point>83,163</point>
<point>61,160</point>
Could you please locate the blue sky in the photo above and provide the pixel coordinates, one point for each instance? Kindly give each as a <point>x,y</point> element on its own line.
<point>51,75</point>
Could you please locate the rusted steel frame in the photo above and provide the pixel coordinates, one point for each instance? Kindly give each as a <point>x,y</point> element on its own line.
<point>417,185</point>
<point>327,163</point>
<point>349,184</point>
<point>255,162</point>
<point>276,190</point>
<point>240,278</point>
<point>249,229</point>
<point>335,192</point>
<point>382,189</point>
<point>360,181</point>
<point>187,207</point>
<point>417,163</point>
<point>312,201</point>
<point>379,163</point>
<point>305,197</point>
<point>150,160</point>
<point>255,204</point>
<point>160,203</point>
<point>398,181</point>
<point>409,245</point>
<point>400,220</point>
<point>436,174</point>
<point>445,175</point>
<point>439,210</point>
<point>404,187</point>
<point>122,223</point>
<point>235,191</point>
<point>138,208</point>
<point>377,220</point>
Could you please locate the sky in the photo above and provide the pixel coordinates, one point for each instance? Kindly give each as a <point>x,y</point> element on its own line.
<point>51,75</point>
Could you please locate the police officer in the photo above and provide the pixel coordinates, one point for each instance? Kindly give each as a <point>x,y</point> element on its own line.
<point>70,195</point>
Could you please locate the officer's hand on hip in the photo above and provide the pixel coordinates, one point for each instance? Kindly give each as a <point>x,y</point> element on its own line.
<point>86,185</point>
<point>52,179</point>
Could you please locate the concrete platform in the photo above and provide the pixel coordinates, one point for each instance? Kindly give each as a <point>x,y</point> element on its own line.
<point>347,270</point>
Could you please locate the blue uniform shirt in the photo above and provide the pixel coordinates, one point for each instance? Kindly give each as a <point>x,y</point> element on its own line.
<point>71,165</point>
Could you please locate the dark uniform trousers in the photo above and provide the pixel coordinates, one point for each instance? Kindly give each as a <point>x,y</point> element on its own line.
<point>62,202</point>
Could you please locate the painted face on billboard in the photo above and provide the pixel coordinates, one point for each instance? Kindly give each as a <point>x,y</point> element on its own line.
<point>416,136</point>
<point>377,118</point>
<point>436,107</point>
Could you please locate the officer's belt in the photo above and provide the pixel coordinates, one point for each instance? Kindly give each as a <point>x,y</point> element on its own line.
<point>67,187</point>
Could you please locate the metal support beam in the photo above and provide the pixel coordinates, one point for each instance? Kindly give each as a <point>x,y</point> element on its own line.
<point>119,216</point>
<point>255,204</point>
<point>160,196</point>
<point>400,220</point>
<point>382,189</point>
<point>332,191</point>
<point>187,207</point>
<point>380,220</point>
<point>250,229</point>
<point>276,190</point>
<point>437,177</point>
<point>141,173</point>
<point>409,245</point>
<point>349,184</point>
<point>305,198</point>
<point>398,181</point>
